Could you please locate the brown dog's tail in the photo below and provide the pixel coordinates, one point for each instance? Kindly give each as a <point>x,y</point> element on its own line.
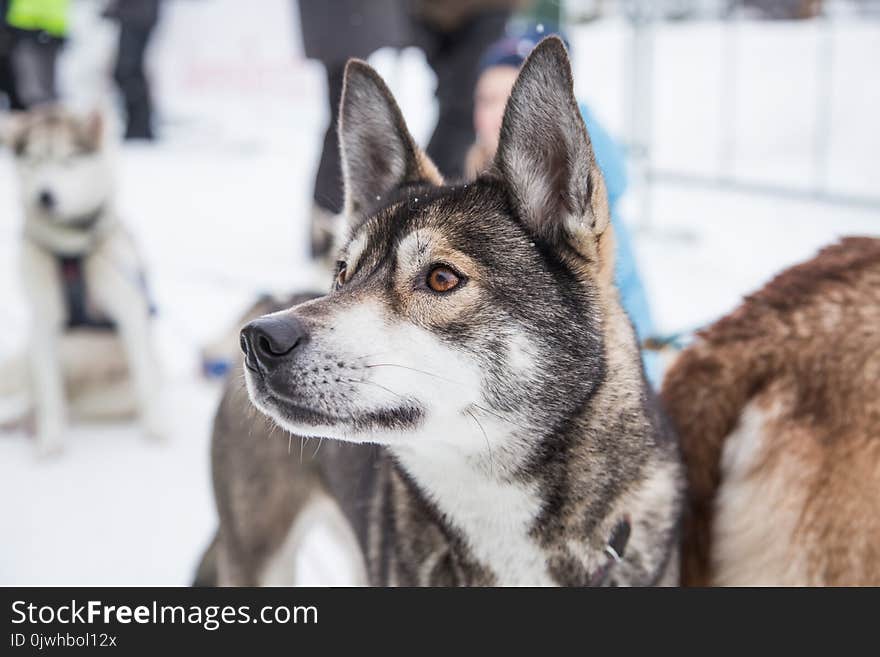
<point>206,573</point>
<point>704,394</point>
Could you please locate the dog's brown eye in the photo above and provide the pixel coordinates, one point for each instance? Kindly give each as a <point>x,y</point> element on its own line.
<point>443,279</point>
<point>341,270</point>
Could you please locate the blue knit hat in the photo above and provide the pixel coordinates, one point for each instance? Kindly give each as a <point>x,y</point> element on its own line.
<point>513,48</point>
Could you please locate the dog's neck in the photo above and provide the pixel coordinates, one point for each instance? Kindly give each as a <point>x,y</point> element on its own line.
<point>74,237</point>
<point>500,513</point>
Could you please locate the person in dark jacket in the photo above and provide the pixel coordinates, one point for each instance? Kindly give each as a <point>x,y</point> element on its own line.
<point>332,33</point>
<point>137,21</point>
<point>453,35</point>
<point>8,89</point>
<point>32,33</point>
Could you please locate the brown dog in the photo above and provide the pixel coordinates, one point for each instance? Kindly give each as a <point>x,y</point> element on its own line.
<point>778,411</point>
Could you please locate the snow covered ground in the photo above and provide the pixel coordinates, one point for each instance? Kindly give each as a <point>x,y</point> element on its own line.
<point>220,209</point>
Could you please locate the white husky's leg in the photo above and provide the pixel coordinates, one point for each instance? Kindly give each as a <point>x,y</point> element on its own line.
<point>40,277</point>
<point>16,399</point>
<point>48,385</point>
<point>98,383</point>
<point>109,400</point>
<point>14,375</point>
<point>112,275</point>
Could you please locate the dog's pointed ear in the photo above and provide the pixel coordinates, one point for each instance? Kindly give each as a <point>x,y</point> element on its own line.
<point>378,153</point>
<point>13,131</point>
<point>544,152</point>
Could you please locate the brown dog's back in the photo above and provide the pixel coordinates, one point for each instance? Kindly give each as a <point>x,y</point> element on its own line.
<point>778,410</point>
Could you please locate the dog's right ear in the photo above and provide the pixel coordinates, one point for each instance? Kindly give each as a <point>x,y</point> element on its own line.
<point>545,155</point>
<point>378,153</point>
<point>13,131</point>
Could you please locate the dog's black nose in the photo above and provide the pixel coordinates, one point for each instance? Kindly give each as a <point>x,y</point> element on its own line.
<point>268,340</point>
<point>46,199</point>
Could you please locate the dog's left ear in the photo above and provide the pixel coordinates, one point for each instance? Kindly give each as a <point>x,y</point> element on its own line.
<point>378,153</point>
<point>544,152</point>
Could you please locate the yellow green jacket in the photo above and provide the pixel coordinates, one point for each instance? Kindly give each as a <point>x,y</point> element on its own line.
<point>50,16</point>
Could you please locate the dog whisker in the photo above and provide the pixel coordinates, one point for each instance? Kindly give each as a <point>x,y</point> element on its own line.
<point>414,369</point>
<point>378,385</point>
<point>488,444</point>
<point>380,353</point>
<point>500,417</point>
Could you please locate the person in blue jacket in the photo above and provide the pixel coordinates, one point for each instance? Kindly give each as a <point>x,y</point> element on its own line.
<point>499,68</point>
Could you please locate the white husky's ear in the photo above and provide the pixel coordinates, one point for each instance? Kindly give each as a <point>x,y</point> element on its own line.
<point>544,152</point>
<point>378,153</point>
<point>13,130</point>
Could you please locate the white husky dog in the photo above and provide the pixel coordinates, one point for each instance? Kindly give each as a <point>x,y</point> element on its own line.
<point>90,352</point>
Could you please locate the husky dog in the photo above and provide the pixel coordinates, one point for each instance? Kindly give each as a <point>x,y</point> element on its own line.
<point>778,410</point>
<point>478,390</point>
<point>89,309</point>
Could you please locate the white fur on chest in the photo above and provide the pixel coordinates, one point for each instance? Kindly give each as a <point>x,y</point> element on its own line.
<point>493,517</point>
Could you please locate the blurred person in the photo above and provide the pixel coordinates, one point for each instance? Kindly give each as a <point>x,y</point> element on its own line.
<point>785,9</point>
<point>35,31</point>
<point>7,76</point>
<point>452,33</point>
<point>332,33</point>
<point>498,70</point>
<point>137,21</point>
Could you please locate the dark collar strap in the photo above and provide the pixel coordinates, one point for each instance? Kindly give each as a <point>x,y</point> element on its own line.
<point>86,221</point>
<point>614,552</point>
<point>76,296</point>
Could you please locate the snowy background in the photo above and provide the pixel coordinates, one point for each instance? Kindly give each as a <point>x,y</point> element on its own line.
<point>220,208</point>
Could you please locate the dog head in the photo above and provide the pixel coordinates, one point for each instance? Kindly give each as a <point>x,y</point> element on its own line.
<point>459,313</point>
<point>64,176</point>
